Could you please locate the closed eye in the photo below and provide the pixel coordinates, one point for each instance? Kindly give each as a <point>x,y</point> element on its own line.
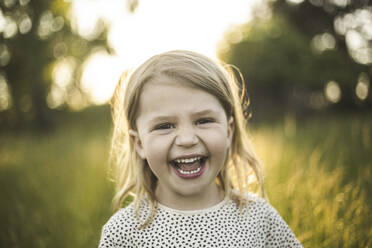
<point>204,121</point>
<point>164,126</point>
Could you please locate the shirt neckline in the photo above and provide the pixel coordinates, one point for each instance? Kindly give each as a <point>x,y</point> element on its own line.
<point>197,211</point>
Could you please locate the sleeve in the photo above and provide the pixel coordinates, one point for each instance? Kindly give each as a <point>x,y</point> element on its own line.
<point>278,233</point>
<point>106,240</point>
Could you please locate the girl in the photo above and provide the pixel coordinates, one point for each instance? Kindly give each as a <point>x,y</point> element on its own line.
<point>181,149</point>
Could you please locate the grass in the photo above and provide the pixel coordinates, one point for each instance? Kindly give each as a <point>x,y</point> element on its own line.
<point>318,176</point>
<point>55,192</point>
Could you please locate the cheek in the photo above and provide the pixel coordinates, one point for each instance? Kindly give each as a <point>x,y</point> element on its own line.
<point>156,149</point>
<point>217,142</point>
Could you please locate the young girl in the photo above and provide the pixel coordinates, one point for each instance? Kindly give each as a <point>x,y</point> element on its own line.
<point>181,150</point>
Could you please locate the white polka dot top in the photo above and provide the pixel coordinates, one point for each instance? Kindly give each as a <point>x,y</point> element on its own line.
<point>223,225</point>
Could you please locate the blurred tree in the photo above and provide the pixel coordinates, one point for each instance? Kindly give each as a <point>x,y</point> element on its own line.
<point>346,24</point>
<point>39,39</point>
<point>294,58</point>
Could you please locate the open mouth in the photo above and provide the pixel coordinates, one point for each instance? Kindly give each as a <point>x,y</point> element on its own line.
<point>189,167</point>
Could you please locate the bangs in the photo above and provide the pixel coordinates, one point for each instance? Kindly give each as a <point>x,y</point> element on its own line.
<point>206,76</point>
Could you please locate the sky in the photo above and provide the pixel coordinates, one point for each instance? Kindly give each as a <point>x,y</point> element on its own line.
<point>154,27</point>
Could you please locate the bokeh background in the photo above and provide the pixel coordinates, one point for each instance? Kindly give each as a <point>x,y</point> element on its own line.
<point>307,66</point>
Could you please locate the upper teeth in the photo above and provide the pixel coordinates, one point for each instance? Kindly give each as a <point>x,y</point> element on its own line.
<point>187,160</point>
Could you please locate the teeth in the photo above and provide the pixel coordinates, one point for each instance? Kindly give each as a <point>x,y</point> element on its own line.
<point>187,160</point>
<point>189,172</point>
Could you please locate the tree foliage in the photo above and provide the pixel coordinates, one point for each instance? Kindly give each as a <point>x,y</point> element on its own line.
<point>289,58</point>
<point>36,36</point>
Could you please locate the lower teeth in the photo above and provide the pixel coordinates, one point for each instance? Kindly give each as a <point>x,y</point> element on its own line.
<point>189,172</point>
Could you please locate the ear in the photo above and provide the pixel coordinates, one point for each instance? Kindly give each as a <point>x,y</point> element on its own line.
<point>230,129</point>
<point>135,138</point>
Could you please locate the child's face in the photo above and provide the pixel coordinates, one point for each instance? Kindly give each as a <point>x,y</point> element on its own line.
<point>184,134</point>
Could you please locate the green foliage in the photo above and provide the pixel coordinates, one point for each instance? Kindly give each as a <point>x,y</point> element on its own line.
<point>46,36</point>
<point>56,192</point>
<point>268,52</point>
<point>273,53</point>
<point>282,68</point>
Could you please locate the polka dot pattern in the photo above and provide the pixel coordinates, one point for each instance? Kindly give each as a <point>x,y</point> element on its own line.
<point>223,225</point>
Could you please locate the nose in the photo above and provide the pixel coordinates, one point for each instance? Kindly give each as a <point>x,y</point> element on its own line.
<point>186,137</point>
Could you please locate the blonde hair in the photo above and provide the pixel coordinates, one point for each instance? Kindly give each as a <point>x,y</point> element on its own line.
<point>131,173</point>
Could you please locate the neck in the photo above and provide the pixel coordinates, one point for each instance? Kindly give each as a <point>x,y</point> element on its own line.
<point>190,201</point>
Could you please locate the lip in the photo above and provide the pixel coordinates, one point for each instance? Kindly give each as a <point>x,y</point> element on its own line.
<point>188,156</point>
<point>191,176</point>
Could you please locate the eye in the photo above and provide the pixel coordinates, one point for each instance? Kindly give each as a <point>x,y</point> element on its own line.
<point>164,126</point>
<point>204,121</point>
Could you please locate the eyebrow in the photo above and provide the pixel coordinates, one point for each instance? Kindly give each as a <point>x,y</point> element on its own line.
<point>167,117</point>
<point>205,112</point>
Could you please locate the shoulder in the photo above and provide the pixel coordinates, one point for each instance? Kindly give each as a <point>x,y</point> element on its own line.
<point>124,217</point>
<point>260,207</point>
<point>273,226</point>
<point>255,202</point>
<point>116,230</point>
<point>249,200</point>
<point>252,206</point>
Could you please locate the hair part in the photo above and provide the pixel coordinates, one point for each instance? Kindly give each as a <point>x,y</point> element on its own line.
<point>132,174</point>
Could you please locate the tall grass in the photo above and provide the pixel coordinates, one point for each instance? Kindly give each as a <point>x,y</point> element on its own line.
<point>55,191</point>
<point>318,176</point>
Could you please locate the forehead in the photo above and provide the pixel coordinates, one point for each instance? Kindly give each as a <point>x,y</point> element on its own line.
<point>169,95</point>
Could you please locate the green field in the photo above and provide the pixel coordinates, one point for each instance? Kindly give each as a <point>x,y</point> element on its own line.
<point>55,192</point>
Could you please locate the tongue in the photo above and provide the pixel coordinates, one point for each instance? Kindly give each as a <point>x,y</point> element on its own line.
<point>189,166</point>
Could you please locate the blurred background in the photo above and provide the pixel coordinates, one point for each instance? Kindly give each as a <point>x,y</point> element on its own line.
<point>307,66</point>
